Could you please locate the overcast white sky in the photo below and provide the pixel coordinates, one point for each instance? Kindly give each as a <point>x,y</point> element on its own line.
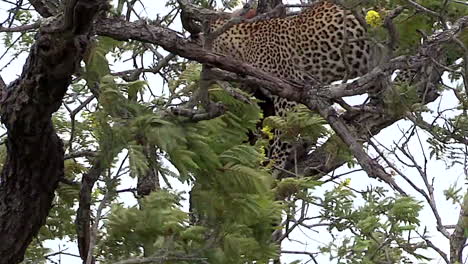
<point>308,240</point>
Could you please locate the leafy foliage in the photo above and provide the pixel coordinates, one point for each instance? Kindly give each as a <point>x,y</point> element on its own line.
<point>379,226</point>
<point>299,122</point>
<point>235,203</point>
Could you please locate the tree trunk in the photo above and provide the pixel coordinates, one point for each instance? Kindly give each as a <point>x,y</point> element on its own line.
<point>34,163</point>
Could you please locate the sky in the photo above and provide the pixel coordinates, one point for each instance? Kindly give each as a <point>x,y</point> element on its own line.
<point>302,239</point>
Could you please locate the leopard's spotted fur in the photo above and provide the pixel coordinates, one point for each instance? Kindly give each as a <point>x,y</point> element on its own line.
<point>324,43</point>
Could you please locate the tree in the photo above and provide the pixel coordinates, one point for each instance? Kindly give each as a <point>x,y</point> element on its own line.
<point>111,103</point>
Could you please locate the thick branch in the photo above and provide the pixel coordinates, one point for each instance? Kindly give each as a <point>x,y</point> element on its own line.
<point>350,138</point>
<point>458,237</point>
<point>21,28</point>
<point>83,214</point>
<point>46,8</point>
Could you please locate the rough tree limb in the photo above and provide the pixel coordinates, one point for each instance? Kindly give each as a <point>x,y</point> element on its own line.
<point>45,8</point>
<point>83,214</point>
<point>35,155</point>
<point>350,138</point>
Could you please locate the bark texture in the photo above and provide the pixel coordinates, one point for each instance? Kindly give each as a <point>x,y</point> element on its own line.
<point>35,154</point>
<point>83,214</point>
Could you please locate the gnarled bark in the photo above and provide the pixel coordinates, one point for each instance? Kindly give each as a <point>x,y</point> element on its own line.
<point>35,154</point>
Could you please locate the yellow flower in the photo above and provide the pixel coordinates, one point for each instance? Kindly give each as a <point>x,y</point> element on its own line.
<point>267,131</point>
<point>373,18</point>
<point>347,181</point>
<point>344,183</point>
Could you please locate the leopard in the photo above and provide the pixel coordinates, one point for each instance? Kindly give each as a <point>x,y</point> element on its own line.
<point>323,43</point>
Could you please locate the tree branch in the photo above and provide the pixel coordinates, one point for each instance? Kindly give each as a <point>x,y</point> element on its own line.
<point>350,138</point>
<point>83,214</point>
<point>21,28</point>
<point>45,8</point>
